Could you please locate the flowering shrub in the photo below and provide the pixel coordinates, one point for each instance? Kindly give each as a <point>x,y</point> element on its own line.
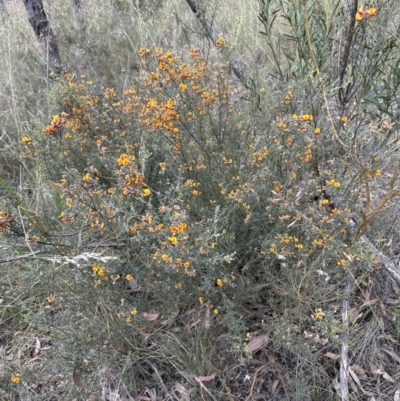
<point>203,202</point>
<point>246,210</point>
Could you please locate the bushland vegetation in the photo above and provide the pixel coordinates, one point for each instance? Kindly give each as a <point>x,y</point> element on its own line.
<point>200,201</point>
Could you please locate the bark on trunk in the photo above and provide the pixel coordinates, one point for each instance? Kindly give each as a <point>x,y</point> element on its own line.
<point>3,10</point>
<point>77,7</point>
<point>45,35</point>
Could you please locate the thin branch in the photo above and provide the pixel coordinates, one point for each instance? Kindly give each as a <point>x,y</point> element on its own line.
<point>345,59</point>
<point>214,35</point>
<point>24,256</point>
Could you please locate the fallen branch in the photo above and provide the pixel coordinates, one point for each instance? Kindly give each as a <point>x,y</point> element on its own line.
<point>117,245</point>
<point>392,269</point>
<point>24,256</point>
<point>214,35</point>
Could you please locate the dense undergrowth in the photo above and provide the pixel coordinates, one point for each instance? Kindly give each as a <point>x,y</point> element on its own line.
<point>169,232</point>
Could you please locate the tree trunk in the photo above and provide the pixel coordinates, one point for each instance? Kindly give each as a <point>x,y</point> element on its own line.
<point>77,7</point>
<point>45,35</point>
<point>3,10</point>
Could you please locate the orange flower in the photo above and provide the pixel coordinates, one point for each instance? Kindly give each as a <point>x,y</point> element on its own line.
<point>360,14</point>
<point>371,12</point>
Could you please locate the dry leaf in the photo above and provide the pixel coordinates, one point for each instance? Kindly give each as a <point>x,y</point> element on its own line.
<point>359,371</point>
<point>397,395</point>
<point>182,392</point>
<point>373,368</point>
<point>201,379</point>
<point>391,339</point>
<point>331,355</point>
<point>77,380</point>
<point>257,343</point>
<point>352,384</point>
<point>37,347</point>
<point>354,312</point>
<point>388,377</point>
<point>383,309</point>
<point>274,386</point>
<point>354,376</point>
<point>150,316</point>
<point>392,354</point>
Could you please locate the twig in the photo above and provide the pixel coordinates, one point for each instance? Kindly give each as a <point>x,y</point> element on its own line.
<point>344,383</point>
<point>236,66</point>
<point>254,382</point>
<point>24,256</point>
<point>207,390</point>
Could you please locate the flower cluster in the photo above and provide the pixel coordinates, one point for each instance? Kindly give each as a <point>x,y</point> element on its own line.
<point>55,125</point>
<point>363,13</point>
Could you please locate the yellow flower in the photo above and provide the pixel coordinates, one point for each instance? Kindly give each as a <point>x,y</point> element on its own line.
<point>87,177</point>
<point>68,135</point>
<point>143,51</point>
<point>173,240</point>
<point>26,140</point>
<point>371,12</point>
<point>295,117</point>
<point>201,300</point>
<point>378,173</point>
<point>336,184</point>
<point>317,131</point>
<point>183,87</point>
<point>219,282</point>
<point>146,192</point>
<point>216,311</point>
<point>325,202</point>
<point>15,379</point>
<point>129,277</point>
<point>125,159</point>
<point>360,14</point>
<point>134,312</point>
<point>344,119</point>
<point>307,117</point>
<point>319,314</point>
